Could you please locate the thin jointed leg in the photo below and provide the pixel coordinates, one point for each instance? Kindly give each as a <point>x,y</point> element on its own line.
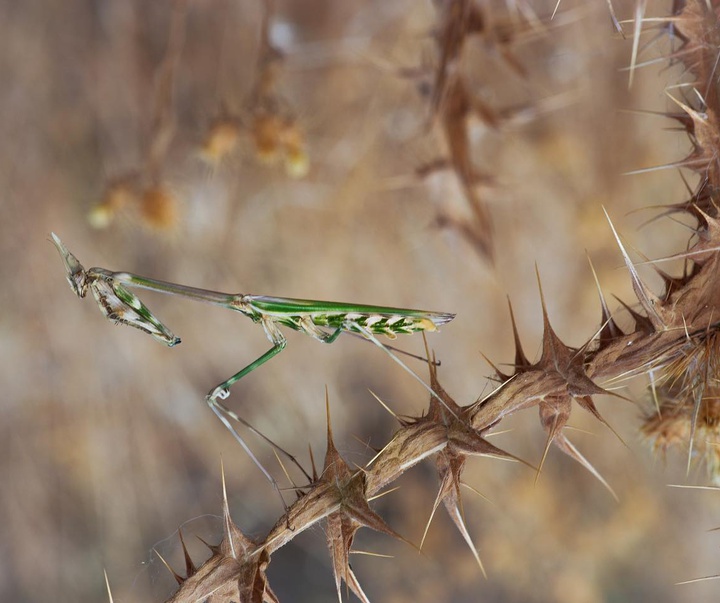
<point>219,406</point>
<point>223,390</point>
<point>331,337</point>
<point>218,409</point>
<point>370,337</point>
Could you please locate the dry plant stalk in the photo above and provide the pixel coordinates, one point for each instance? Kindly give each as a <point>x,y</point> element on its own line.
<point>675,336</point>
<point>271,124</point>
<point>687,413</point>
<point>453,106</point>
<point>143,190</point>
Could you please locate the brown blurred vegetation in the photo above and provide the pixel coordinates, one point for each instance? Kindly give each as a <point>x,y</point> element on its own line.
<point>105,444</point>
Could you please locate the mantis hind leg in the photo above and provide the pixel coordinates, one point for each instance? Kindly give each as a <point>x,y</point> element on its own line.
<point>222,390</point>
<point>367,334</point>
<point>330,337</point>
<point>223,413</point>
<point>307,326</point>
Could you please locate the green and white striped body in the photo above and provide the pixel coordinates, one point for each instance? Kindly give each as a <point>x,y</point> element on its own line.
<point>307,315</point>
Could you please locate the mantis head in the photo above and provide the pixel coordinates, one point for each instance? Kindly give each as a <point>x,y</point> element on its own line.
<point>115,301</point>
<point>74,271</point>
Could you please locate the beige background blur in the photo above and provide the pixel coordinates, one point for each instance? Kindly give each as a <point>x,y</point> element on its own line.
<point>106,446</point>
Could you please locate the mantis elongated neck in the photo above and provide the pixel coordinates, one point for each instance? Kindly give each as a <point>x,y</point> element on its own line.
<point>226,300</point>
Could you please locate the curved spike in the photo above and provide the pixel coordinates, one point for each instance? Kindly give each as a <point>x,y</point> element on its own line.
<point>502,377</point>
<point>388,409</point>
<point>340,536</point>
<point>552,431</point>
<point>672,283</point>
<point>178,578</point>
<point>568,448</point>
<point>648,300</point>
<point>698,395</point>
<point>435,506</point>
<point>449,493</point>
<point>214,548</point>
<point>551,436</point>
<point>521,361</point>
<point>312,464</point>
<point>554,352</point>
<point>234,538</point>
<point>331,454</point>
<point>459,521</point>
<point>226,512</point>
<point>642,323</point>
<point>693,114</point>
<point>609,329</point>
<point>587,403</point>
<point>190,567</point>
<point>712,225</point>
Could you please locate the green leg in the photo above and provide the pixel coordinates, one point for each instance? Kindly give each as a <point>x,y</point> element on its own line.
<point>222,412</point>
<point>332,336</point>
<point>223,390</point>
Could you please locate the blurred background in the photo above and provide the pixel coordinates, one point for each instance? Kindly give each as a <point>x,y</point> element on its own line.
<point>168,163</point>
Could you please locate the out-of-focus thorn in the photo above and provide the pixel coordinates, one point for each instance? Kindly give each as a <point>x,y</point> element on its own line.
<point>637,30</point>
<point>107,585</point>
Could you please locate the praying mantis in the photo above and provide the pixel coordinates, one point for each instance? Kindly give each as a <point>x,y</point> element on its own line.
<point>324,321</point>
